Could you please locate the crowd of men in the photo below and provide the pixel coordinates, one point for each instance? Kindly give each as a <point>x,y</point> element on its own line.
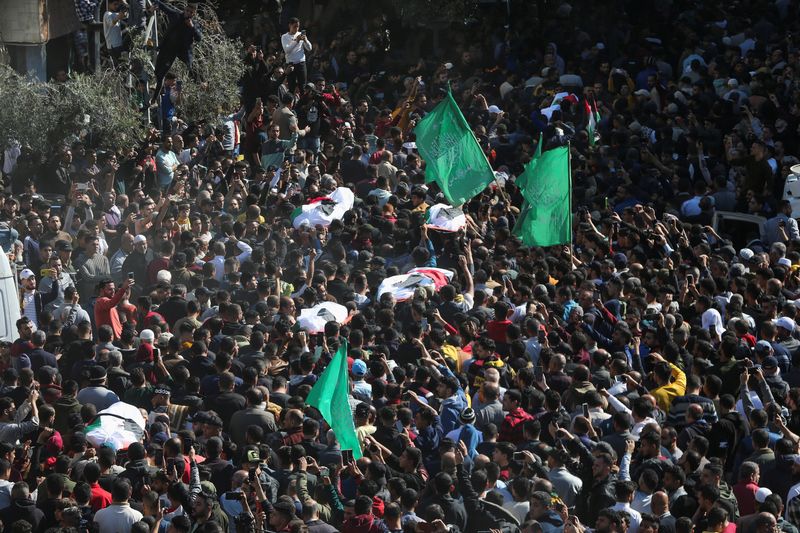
<point>643,378</point>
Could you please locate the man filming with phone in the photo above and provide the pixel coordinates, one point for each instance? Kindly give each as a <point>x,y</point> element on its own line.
<point>113,28</point>
<point>55,275</point>
<point>105,308</point>
<point>295,45</point>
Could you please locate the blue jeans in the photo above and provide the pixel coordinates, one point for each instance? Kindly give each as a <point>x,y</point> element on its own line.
<point>310,142</point>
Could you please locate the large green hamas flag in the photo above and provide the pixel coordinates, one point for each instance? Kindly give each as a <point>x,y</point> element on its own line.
<point>546,185</point>
<point>330,395</point>
<point>453,157</point>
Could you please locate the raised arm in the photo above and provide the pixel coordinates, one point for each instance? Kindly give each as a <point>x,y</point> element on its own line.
<point>469,283</point>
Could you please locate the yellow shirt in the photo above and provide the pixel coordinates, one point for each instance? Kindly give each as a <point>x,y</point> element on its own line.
<point>451,352</point>
<point>666,393</point>
<point>243,218</point>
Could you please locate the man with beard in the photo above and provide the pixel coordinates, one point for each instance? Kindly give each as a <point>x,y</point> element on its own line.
<point>206,509</point>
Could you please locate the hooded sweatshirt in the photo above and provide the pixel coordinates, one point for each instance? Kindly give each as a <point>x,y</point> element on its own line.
<point>64,407</point>
<point>363,523</point>
<point>22,510</point>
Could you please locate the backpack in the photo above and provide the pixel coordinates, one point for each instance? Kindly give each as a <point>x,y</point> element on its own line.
<point>70,320</point>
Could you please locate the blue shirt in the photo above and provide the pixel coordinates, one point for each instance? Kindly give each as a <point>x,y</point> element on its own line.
<point>450,410</point>
<point>167,105</point>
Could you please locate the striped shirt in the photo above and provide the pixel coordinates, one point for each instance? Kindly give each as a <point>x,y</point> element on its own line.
<point>680,404</point>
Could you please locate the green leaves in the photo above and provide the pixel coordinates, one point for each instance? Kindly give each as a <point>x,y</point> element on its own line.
<point>46,115</point>
<point>218,66</point>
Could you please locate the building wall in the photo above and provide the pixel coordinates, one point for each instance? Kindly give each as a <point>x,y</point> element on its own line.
<point>31,22</point>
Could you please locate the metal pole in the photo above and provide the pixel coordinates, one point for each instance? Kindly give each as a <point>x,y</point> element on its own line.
<point>98,35</point>
<point>151,32</point>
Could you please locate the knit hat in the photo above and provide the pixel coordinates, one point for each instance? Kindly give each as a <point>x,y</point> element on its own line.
<point>467,416</point>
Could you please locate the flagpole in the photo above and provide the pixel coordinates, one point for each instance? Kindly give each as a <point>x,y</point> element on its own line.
<point>571,216</point>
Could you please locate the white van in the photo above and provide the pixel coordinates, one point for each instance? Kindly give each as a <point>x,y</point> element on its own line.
<point>9,299</point>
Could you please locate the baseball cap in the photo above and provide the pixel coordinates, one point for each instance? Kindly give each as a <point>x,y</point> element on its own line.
<point>214,420</point>
<point>762,493</point>
<point>763,347</point>
<point>359,368</point>
<point>26,274</point>
<point>770,362</point>
<point>494,109</point>
<point>97,373</point>
<point>786,323</point>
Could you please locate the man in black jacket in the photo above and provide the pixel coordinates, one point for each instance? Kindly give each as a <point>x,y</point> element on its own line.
<point>177,42</point>
<point>136,262</point>
<point>137,470</point>
<point>221,470</point>
<point>454,511</point>
<point>22,508</point>
<point>598,491</point>
<point>483,515</point>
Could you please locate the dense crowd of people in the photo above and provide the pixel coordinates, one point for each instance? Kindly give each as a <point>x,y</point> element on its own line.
<point>642,378</point>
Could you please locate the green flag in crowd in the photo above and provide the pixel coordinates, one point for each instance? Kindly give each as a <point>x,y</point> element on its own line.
<point>546,185</point>
<point>522,180</point>
<point>453,157</point>
<point>330,395</point>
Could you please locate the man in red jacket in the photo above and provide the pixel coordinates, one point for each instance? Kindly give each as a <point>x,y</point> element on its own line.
<point>105,307</point>
<point>511,428</point>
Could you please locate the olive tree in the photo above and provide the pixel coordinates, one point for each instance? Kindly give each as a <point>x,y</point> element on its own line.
<point>212,88</point>
<point>96,108</point>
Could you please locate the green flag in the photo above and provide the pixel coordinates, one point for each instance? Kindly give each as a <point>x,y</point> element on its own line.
<point>545,219</point>
<point>330,395</point>
<point>522,181</point>
<point>453,157</point>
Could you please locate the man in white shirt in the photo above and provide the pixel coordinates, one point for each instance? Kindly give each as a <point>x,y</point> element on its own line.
<point>119,516</point>
<point>166,164</point>
<point>117,12</point>
<point>295,45</point>
<point>219,256</point>
<point>624,492</point>
<point>691,207</point>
